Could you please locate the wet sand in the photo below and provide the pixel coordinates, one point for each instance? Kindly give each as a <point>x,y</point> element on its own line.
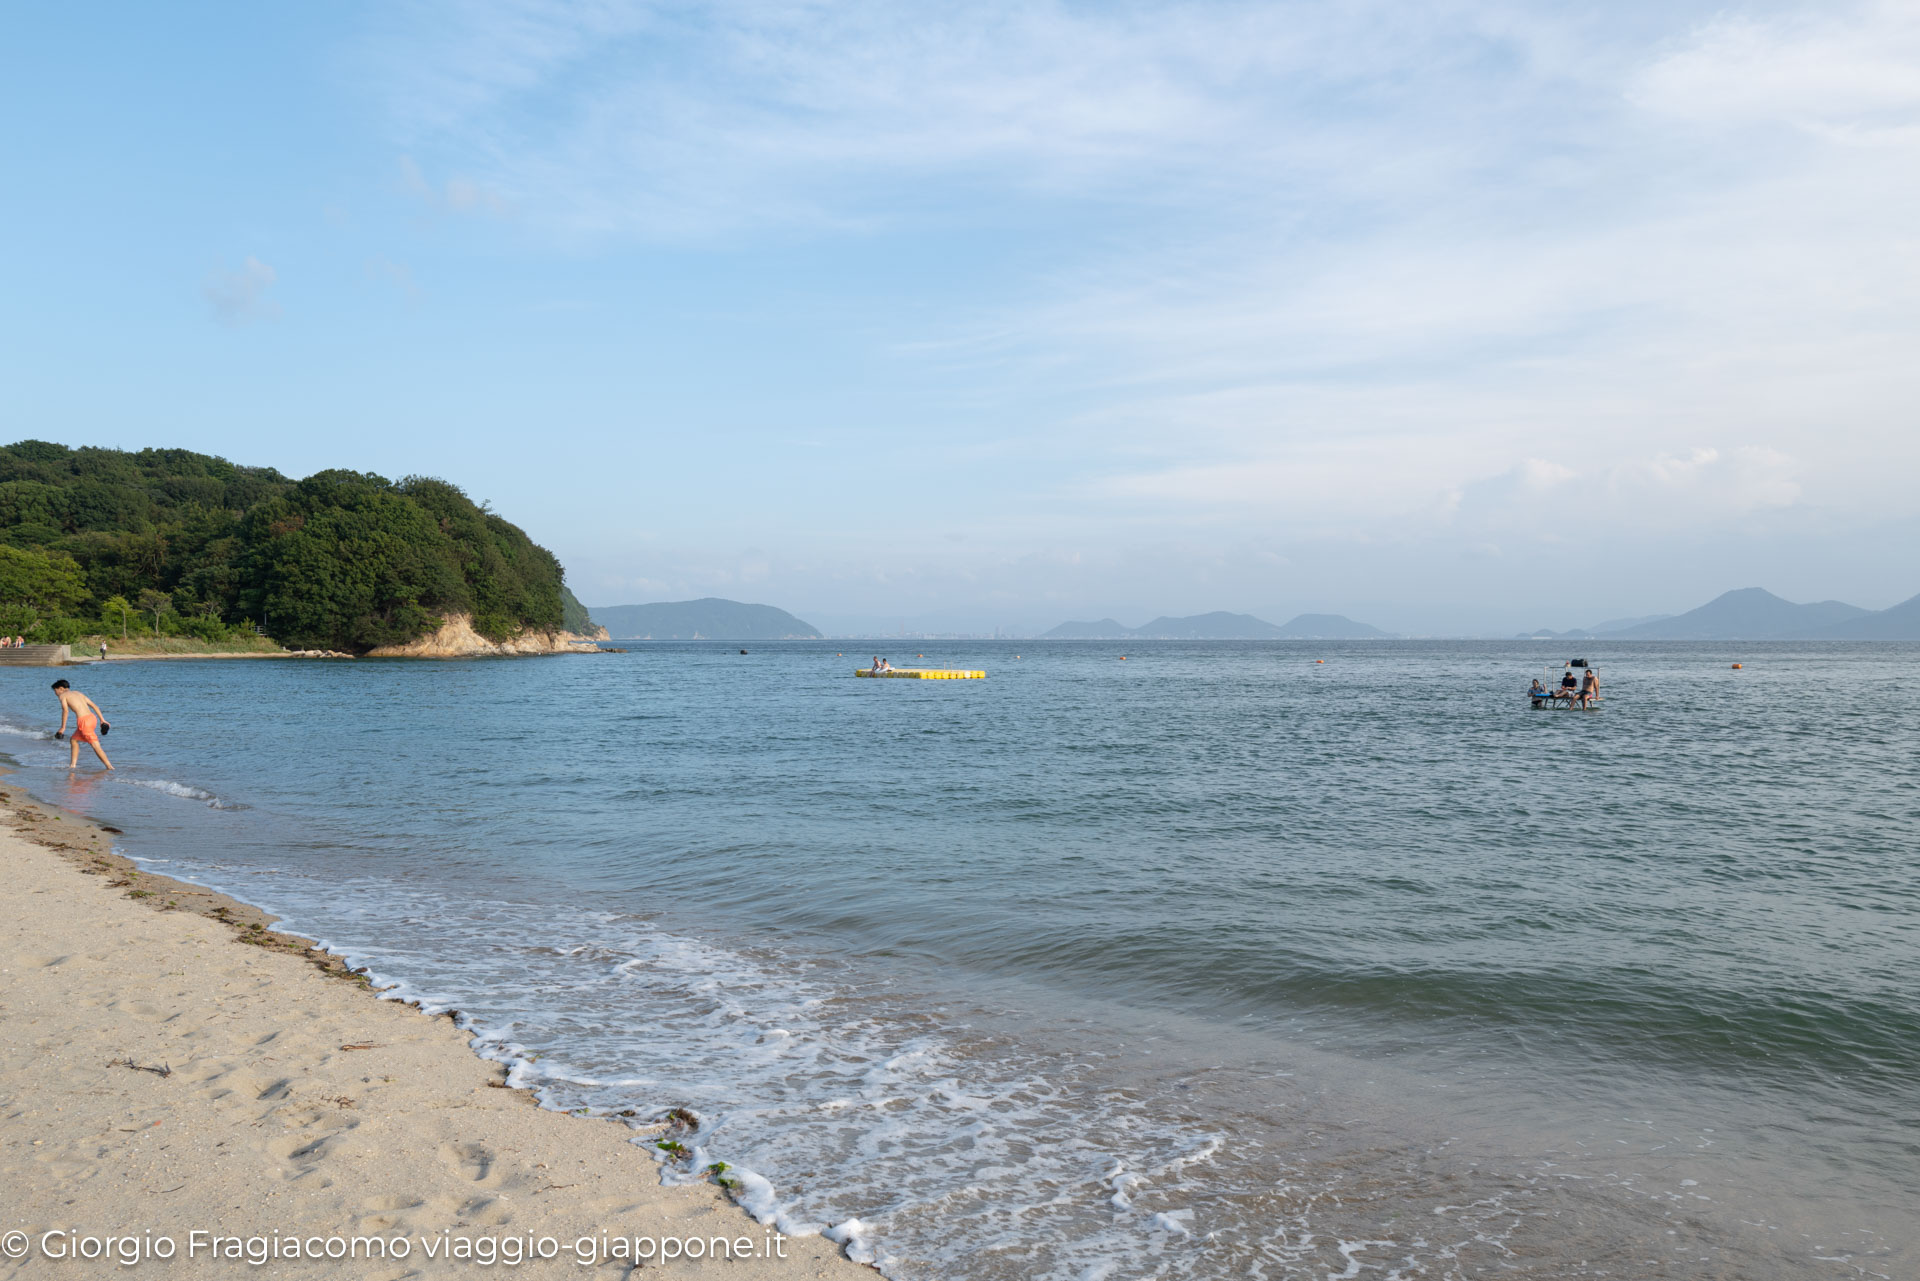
<point>169,1064</point>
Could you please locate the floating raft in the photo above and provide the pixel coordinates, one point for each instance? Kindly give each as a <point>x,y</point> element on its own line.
<point>924,674</point>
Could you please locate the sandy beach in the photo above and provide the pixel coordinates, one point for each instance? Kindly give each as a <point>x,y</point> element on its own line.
<point>174,1073</point>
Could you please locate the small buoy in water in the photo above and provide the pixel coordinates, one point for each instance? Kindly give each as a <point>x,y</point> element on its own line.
<point>1123,658</point>
<point>1319,660</point>
<point>743,651</point>
<point>1736,667</point>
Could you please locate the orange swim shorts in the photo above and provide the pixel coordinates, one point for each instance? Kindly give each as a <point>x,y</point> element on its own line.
<point>85,729</point>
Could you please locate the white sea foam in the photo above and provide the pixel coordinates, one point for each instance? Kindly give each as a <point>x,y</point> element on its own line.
<point>184,792</point>
<point>912,1149</point>
<point>21,732</point>
<point>924,1148</point>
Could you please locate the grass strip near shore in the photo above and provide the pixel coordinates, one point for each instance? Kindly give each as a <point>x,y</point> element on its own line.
<point>137,646</point>
<point>170,1063</point>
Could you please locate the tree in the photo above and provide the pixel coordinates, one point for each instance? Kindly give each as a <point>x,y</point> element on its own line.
<point>44,582</point>
<point>341,560</point>
<point>119,605</point>
<point>155,603</point>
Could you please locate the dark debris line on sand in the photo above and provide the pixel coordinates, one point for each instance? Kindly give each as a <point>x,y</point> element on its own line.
<point>88,846</point>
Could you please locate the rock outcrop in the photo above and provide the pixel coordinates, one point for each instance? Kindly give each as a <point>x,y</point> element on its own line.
<point>456,638</point>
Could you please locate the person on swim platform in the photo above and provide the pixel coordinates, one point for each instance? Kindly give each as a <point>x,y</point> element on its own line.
<point>1589,688</point>
<point>89,723</point>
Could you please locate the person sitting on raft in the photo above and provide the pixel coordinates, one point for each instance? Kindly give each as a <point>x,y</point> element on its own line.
<point>1569,687</point>
<point>1589,688</point>
<point>1538,690</point>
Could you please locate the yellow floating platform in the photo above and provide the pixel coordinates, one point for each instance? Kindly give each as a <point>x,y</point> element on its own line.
<point>924,673</point>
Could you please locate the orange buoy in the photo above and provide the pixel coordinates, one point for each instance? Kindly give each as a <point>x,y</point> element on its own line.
<point>1319,660</point>
<point>1736,667</point>
<point>1123,658</point>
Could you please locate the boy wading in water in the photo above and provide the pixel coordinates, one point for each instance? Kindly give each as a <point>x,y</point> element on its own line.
<point>88,721</point>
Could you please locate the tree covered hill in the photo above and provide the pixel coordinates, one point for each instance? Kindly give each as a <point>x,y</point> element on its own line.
<point>198,545</point>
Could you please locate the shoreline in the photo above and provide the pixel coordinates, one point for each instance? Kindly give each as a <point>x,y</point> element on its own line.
<point>175,1064</point>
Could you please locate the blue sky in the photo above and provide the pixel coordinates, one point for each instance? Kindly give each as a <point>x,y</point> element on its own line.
<point>1453,316</point>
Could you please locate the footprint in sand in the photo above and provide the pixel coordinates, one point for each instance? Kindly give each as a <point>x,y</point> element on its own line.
<point>484,1211</point>
<point>142,1011</point>
<point>470,1159</point>
<point>383,1214</point>
<point>330,1118</point>
<point>303,1152</point>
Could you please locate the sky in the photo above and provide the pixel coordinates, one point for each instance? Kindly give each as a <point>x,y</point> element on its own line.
<point>1456,317</point>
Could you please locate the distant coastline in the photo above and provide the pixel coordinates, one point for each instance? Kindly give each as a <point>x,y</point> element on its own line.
<point>1753,613</point>
<point>709,618</point>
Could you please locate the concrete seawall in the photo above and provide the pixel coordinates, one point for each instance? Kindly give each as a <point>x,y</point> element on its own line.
<point>36,656</point>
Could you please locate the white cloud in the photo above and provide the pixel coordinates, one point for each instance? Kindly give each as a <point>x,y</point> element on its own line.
<point>455,195</point>
<point>1703,488</point>
<point>1847,72</point>
<point>664,119</point>
<point>239,296</point>
<point>1481,272</point>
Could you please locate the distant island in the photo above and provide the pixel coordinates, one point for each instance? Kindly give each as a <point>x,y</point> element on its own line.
<point>709,618</point>
<point>168,543</point>
<point>1221,625</point>
<point>1753,613</point>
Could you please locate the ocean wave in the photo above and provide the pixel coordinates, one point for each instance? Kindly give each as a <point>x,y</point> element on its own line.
<point>839,1110</point>
<point>21,732</point>
<point>186,793</point>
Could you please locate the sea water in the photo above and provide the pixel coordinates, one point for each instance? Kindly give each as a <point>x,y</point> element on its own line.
<point>1213,960</point>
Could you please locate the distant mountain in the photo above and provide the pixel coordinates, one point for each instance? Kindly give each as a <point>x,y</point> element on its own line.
<point>709,618</point>
<point>1105,629</point>
<point>1751,613</point>
<point>1608,628</point>
<point>1902,622</point>
<point>1619,625</point>
<point>1220,625</point>
<point>1330,627</point>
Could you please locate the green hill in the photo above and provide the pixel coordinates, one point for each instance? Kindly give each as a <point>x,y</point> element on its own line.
<point>200,546</point>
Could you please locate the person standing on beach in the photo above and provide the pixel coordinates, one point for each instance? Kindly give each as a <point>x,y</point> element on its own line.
<point>88,721</point>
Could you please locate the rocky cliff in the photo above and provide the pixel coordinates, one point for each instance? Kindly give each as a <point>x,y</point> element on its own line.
<point>456,638</point>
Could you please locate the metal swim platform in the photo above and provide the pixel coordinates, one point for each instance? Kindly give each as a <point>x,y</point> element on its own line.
<point>1556,697</point>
